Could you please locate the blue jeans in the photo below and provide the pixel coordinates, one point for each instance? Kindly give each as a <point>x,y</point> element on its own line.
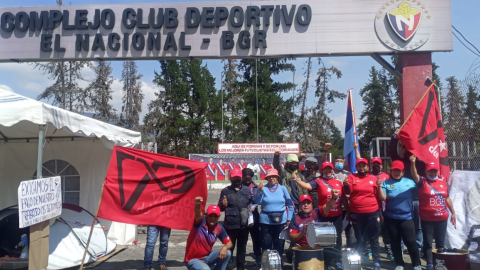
<point>208,262</point>
<point>417,223</point>
<point>152,235</point>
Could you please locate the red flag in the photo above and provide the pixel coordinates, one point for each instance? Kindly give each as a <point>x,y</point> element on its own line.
<point>423,134</point>
<point>151,189</point>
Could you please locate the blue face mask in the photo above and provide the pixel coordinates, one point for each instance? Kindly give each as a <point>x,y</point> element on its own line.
<point>338,166</point>
<point>432,179</point>
<point>328,177</point>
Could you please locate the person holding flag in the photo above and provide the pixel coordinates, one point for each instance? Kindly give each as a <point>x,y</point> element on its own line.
<point>434,206</point>
<point>264,167</point>
<point>221,169</point>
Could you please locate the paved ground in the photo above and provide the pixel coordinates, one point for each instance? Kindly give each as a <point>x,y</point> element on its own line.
<point>132,257</point>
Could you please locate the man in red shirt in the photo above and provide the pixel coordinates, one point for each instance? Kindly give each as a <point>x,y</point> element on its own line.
<point>364,209</point>
<point>433,207</point>
<point>211,170</point>
<point>232,165</point>
<point>221,168</point>
<point>202,237</point>
<point>264,167</point>
<point>242,165</point>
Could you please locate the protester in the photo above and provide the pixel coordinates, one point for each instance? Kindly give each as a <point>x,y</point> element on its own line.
<point>236,200</point>
<point>341,174</point>
<point>377,171</point>
<point>291,166</point>
<point>329,207</point>
<point>311,173</point>
<point>364,208</point>
<point>152,234</point>
<point>277,211</point>
<point>202,237</point>
<point>403,154</point>
<point>397,191</point>
<point>255,168</point>
<point>434,206</point>
<point>298,227</point>
<point>264,167</point>
<point>247,175</point>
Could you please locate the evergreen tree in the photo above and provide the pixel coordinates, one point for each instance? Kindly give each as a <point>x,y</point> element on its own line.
<point>274,113</point>
<point>132,96</point>
<point>378,114</point>
<point>472,113</point>
<point>233,101</point>
<point>454,120</point>
<point>100,92</point>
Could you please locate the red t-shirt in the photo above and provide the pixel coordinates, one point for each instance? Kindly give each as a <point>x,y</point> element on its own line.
<point>324,188</point>
<point>222,169</point>
<point>432,197</point>
<point>363,193</point>
<point>242,166</point>
<point>211,168</point>
<point>263,170</point>
<point>202,238</point>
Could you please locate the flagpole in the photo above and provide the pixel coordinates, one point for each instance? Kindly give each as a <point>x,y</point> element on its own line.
<point>91,228</point>
<point>353,115</point>
<point>420,100</point>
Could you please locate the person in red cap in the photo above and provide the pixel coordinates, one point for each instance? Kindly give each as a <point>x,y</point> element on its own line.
<point>235,200</point>
<point>398,192</point>
<point>298,226</point>
<point>364,210</point>
<point>434,206</point>
<point>277,211</point>
<point>377,171</point>
<point>202,237</point>
<point>328,204</point>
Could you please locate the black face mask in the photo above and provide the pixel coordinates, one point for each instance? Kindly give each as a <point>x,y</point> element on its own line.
<point>376,169</point>
<point>236,183</point>
<point>311,166</point>
<point>292,167</point>
<point>362,173</point>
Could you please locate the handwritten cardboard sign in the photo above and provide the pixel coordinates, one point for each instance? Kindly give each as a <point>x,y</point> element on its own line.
<point>39,200</point>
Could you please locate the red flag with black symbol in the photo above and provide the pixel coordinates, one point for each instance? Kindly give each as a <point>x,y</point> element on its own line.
<point>145,188</point>
<point>423,133</point>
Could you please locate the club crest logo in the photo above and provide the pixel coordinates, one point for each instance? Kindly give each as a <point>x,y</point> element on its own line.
<point>403,25</point>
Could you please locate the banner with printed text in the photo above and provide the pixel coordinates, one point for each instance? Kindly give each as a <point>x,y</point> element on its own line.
<point>258,148</point>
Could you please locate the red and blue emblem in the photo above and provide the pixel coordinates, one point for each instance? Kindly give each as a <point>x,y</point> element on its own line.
<point>405,20</point>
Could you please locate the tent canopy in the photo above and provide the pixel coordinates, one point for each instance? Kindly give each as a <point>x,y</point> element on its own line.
<point>20,117</point>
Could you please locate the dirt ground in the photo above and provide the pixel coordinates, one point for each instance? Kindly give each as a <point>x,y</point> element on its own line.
<point>132,257</point>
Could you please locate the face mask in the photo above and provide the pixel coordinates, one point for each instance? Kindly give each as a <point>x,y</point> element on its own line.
<point>338,166</point>
<point>432,178</point>
<point>236,183</point>
<point>311,166</point>
<point>292,167</point>
<point>362,173</point>
<point>328,177</point>
<point>376,169</point>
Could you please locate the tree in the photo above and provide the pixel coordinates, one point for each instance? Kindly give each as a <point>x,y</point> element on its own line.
<point>454,120</point>
<point>100,92</point>
<point>184,118</point>
<point>132,96</point>
<point>378,117</point>
<point>472,114</point>
<point>65,91</point>
<point>274,113</point>
<point>233,101</point>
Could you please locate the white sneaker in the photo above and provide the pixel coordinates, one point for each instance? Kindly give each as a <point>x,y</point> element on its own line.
<point>418,267</point>
<point>399,267</point>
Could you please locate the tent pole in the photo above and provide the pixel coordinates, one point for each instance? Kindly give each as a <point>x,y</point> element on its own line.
<point>41,138</point>
<point>91,229</point>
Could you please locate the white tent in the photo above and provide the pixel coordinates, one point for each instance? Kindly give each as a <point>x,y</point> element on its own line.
<point>75,146</point>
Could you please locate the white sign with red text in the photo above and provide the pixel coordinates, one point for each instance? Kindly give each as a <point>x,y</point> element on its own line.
<point>258,148</point>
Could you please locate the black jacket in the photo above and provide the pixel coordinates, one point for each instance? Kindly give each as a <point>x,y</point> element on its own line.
<point>232,213</point>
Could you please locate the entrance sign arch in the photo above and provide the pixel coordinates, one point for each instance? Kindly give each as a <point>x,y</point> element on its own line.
<point>224,29</point>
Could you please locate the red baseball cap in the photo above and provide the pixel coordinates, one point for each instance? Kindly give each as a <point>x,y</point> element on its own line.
<point>213,209</point>
<point>376,159</point>
<point>360,160</point>
<point>398,164</point>
<point>305,197</point>
<point>327,164</point>
<point>236,172</point>
<point>431,166</point>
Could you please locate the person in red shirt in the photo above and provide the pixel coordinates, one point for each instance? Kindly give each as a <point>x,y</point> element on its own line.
<point>264,167</point>
<point>202,237</point>
<point>221,170</point>
<point>433,207</point>
<point>377,171</point>
<point>329,207</point>
<point>242,165</point>
<point>232,165</point>
<point>211,170</point>
<point>364,208</point>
